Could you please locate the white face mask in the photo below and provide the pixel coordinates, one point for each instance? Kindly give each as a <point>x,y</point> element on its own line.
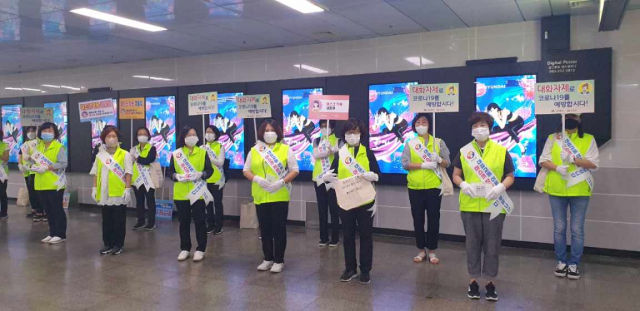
<point>111,142</point>
<point>270,137</point>
<point>421,129</point>
<point>326,131</point>
<point>31,135</point>
<point>480,133</point>
<point>210,137</point>
<point>143,139</point>
<point>352,139</point>
<point>191,141</point>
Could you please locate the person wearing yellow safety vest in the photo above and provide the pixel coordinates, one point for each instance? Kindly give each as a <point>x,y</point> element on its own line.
<point>4,158</point>
<point>111,172</point>
<point>483,234</point>
<point>144,154</point>
<point>324,149</point>
<point>271,166</point>
<point>569,184</point>
<point>37,213</point>
<point>190,167</point>
<point>424,185</point>
<point>359,218</point>
<point>215,184</point>
<point>49,163</point>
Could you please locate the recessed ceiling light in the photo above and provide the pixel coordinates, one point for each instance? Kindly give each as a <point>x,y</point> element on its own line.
<point>117,19</point>
<point>302,6</point>
<point>51,86</point>
<point>310,68</point>
<point>152,78</point>
<point>418,61</point>
<point>13,88</point>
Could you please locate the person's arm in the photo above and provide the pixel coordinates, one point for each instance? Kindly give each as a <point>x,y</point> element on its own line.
<point>458,176</point>
<point>591,159</point>
<point>292,164</point>
<point>151,157</point>
<point>128,170</point>
<point>373,162</point>
<point>219,161</point>
<point>61,162</point>
<point>445,154</point>
<point>508,179</point>
<point>94,173</point>
<point>246,170</point>
<point>171,171</point>
<point>406,160</point>
<point>208,169</point>
<point>317,154</point>
<point>5,156</point>
<point>546,157</point>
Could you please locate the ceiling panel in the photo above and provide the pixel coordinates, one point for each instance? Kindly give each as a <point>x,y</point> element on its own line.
<point>486,12</point>
<point>381,18</point>
<point>534,9</point>
<point>430,14</point>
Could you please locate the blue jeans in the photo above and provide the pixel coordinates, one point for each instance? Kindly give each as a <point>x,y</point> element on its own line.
<point>578,206</point>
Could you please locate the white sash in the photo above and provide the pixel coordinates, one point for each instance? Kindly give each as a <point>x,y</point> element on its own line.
<point>426,156</point>
<point>349,161</point>
<point>581,173</point>
<point>111,164</point>
<point>144,174</point>
<point>212,156</point>
<point>482,171</point>
<point>274,163</point>
<point>323,146</point>
<point>200,186</point>
<point>40,160</point>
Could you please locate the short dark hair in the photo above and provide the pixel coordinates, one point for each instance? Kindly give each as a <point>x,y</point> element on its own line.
<point>144,129</point>
<point>493,105</point>
<point>183,134</point>
<point>420,115</point>
<point>276,127</point>
<point>351,125</point>
<point>480,117</point>
<point>215,131</point>
<point>29,128</point>
<point>332,123</point>
<point>48,125</point>
<point>108,129</point>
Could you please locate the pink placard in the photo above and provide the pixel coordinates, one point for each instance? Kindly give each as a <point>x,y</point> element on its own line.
<point>329,107</point>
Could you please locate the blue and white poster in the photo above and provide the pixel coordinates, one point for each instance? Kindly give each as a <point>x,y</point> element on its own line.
<point>299,130</point>
<point>60,119</point>
<point>231,129</point>
<point>161,122</point>
<point>12,128</point>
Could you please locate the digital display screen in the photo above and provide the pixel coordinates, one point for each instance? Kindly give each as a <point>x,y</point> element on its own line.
<point>60,119</point>
<point>12,128</point>
<point>98,125</point>
<point>231,129</point>
<point>161,122</point>
<point>510,100</point>
<point>299,130</point>
<point>389,124</point>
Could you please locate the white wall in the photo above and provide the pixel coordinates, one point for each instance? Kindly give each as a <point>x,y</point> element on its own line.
<point>613,220</point>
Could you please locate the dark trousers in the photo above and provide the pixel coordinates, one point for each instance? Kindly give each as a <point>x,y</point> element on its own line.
<point>51,201</point>
<point>272,218</point>
<point>185,212</point>
<point>327,203</point>
<point>3,198</point>
<point>34,201</point>
<point>360,219</point>
<point>428,201</point>
<point>150,196</point>
<point>215,218</point>
<point>114,221</point>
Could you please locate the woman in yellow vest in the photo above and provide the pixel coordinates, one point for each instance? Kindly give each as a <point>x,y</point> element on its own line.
<point>111,172</point>
<point>4,151</point>
<point>215,183</point>
<point>37,213</point>
<point>425,185</point>
<point>144,154</point>
<point>360,218</point>
<point>482,234</point>
<point>50,180</point>
<point>566,191</point>
<point>270,188</point>
<point>190,167</point>
<point>324,149</point>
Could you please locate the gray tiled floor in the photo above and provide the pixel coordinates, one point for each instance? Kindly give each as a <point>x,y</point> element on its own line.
<point>73,276</point>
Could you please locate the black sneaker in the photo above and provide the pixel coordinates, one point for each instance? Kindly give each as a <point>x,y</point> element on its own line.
<point>348,275</point>
<point>334,243</point>
<point>573,273</point>
<point>561,270</point>
<point>150,227</point>
<point>117,250</point>
<point>323,243</point>
<point>138,226</point>
<point>210,230</point>
<point>4,216</point>
<point>492,293</point>
<point>218,231</point>
<point>106,250</point>
<point>473,291</point>
<point>37,217</point>
<point>364,278</point>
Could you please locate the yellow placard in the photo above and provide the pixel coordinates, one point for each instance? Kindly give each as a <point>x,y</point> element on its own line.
<point>131,108</point>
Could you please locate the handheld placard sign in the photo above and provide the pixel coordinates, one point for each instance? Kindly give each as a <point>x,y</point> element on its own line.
<point>131,109</point>
<point>434,98</point>
<point>203,104</point>
<point>253,107</point>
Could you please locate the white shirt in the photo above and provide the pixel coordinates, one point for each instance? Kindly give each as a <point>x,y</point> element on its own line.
<point>592,154</point>
<point>292,162</point>
<point>105,199</point>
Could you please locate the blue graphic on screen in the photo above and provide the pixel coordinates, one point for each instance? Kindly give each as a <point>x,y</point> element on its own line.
<point>12,128</point>
<point>161,122</point>
<point>60,119</point>
<point>299,130</point>
<point>389,124</point>
<point>510,101</point>
<point>98,125</point>
<point>231,129</point>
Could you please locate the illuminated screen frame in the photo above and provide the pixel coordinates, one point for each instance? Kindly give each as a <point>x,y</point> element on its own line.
<point>12,136</point>
<point>230,125</point>
<point>98,125</point>
<point>163,129</point>
<point>301,138</point>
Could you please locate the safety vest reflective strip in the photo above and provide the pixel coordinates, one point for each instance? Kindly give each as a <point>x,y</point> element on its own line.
<point>197,159</point>
<point>494,157</point>
<point>262,169</point>
<point>116,184</point>
<point>216,147</point>
<point>317,167</point>
<point>143,153</point>
<point>47,180</point>
<point>423,179</point>
<point>556,185</point>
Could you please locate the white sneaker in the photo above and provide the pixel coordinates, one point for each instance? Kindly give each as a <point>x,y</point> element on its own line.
<point>56,240</point>
<point>265,265</point>
<point>47,239</point>
<point>183,255</point>
<point>198,255</point>
<point>277,267</point>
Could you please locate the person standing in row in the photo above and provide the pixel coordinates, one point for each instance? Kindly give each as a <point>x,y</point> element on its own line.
<point>143,155</point>
<point>479,198</point>
<point>324,149</point>
<point>360,218</point>
<point>112,189</point>
<point>4,177</point>
<point>271,166</point>
<point>425,184</point>
<point>569,183</point>
<point>49,162</point>
<point>25,163</point>
<point>189,169</point>
<point>215,184</point>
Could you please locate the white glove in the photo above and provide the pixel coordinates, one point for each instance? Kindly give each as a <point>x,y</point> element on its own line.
<point>195,176</point>
<point>495,192</point>
<point>334,149</point>
<point>567,157</point>
<point>261,182</point>
<point>370,176</point>
<point>134,153</point>
<point>39,169</point>
<point>322,154</point>
<point>127,195</point>
<point>330,177</point>
<point>467,189</point>
<point>436,158</point>
<point>429,165</point>
<point>562,170</point>
<point>275,186</point>
<point>22,168</point>
<point>181,177</point>
<point>94,194</point>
